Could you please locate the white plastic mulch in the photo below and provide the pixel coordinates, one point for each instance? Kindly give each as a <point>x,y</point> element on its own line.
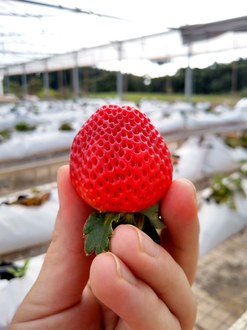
<point>48,116</point>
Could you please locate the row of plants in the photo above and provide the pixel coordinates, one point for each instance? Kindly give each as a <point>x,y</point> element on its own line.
<point>224,188</point>
<point>5,134</point>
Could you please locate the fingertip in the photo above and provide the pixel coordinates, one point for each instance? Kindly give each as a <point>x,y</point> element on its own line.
<point>115,274</point>
<point>103,264</point>
<point>62,180</point>
<point>113,283</point>
<point>62,170</point>
<point>180,200</point>
<point>181,236</point>
<point>188,184</point>
<point>184,186</point>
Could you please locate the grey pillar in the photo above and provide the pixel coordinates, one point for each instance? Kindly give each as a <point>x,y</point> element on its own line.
<point>1,85</point>
<point>46,84</point>
<point>7,84</point>
<point>24,81</point>
<point>6,81</point>
<point>75,79</point>
<point>119,73</point>
<point>188,78</point>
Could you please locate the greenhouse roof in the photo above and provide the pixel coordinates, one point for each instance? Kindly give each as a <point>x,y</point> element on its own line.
<point>143,38</point>
<point>199,32</point>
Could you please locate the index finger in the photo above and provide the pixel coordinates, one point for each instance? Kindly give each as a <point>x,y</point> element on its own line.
<point>54,290</point>
<point>181,236</point>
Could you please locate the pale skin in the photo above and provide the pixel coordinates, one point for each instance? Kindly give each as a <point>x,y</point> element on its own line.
<point>137,285</point>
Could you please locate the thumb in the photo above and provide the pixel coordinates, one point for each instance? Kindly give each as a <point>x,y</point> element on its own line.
<point>65,270</point>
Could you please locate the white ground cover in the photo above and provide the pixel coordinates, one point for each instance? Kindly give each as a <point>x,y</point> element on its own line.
<point>48,116</point>
<point>26,226</point>
<point>12,292</point>
<point>218,222</point>
<point>203,157</point>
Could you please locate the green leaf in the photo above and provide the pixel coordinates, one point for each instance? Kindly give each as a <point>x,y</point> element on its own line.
<point>152,213</point>
<point>97,230</point>
<point>19,271</point>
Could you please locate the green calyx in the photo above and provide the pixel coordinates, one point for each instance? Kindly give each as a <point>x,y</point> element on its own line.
<point>99,227</point>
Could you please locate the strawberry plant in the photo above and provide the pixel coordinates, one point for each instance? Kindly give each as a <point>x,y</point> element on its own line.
<point>121,166</point>
<point>224,187</point>
<point>4,135</point>
<point>237,140</point>
<point>9,270</point>
<point>24,127</point>
<point>65,127</point>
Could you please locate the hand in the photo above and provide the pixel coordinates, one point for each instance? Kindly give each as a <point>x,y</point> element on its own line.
<point>137,285</point>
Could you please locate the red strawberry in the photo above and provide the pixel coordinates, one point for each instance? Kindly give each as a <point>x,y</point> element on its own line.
<point>119,162</point>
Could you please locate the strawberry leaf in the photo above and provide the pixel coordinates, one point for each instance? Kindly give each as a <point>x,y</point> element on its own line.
<point>97,230</point>
<point>152,213</point>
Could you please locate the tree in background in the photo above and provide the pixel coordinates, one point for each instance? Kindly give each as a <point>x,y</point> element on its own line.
<point>215,79</point>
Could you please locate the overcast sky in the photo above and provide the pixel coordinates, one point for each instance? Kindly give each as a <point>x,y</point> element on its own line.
<point>142,16</point>
<point>158,14</point>
<point>59,31</point>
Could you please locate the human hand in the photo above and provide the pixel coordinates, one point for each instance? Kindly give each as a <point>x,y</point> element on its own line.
<point>137,285</point>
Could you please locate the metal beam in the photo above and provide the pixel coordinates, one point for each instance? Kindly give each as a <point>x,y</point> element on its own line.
<point>60,7</point>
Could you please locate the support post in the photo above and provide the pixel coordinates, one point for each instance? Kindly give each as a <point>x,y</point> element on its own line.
<point>6,81</point>
<point>46,82</point>
<point>75,78</point>
<point>188,78</point>
<point>24,81</point>
<point>119,73</point>
<point>1,85</point>
<point>234,80</point>
<point>7,84</point>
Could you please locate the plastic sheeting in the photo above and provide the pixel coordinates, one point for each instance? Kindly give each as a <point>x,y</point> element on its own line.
<point>47,117</point>
<point>25,226</point>
<point>12,292</point>
<point>202,157</point>
<point>219,222</point>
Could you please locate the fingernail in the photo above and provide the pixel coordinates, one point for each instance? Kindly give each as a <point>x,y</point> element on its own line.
<point>123,272</point>
<point>147,245</point>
